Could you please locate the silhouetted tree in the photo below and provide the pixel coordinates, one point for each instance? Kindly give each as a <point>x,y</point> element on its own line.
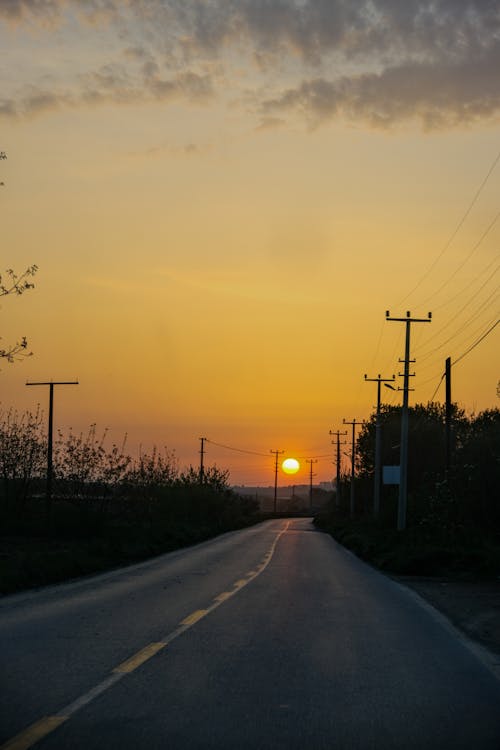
<point>12,284</point>
<point>426,441</point>
<point>477,470</point>
<point>468,494</point>
<point>23,452</point>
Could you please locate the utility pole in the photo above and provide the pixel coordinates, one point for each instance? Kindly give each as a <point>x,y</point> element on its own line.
<point>448,416</point>
<point>311,461</point>
<point>50,471</point>
<point>378,444</point>
<point>276,454</point>
<point>337,476</point>
<point>403,456</point>
<point>202,455</point>
<point>353,459</point>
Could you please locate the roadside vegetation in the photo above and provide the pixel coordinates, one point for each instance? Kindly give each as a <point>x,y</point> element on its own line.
<point>106,509</point>
<point>453,519</point>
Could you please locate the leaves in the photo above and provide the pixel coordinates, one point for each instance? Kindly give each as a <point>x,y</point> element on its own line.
<point>17,285</point>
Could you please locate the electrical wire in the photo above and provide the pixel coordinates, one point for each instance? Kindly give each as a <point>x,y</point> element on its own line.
<point>481,338</point>
<point>458,359</point>
<point>471,320</point>
<point>460,293</point>
<point>437,388</point>
<point>484,304</point>
<point>455,231</point>
<point>466,260</point>
<point>255,453</point>
<point>470,338</point>
<point>239,450</point>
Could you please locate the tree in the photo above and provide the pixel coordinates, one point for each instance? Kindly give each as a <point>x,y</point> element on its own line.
<point>477,471</point>
<point>23,450</point>
<point>426,449</point>
<point>12,284</point>
<point>466,496</point>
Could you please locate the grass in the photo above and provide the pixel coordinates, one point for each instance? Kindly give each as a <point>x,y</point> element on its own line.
<point>27,562</point>
<point>467,553</point>
<point>81,541</point>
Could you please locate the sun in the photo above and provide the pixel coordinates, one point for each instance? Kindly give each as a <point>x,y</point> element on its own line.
<point>290,466</point>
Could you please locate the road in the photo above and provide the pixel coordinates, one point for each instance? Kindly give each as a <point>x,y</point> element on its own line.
<point>272,637</point>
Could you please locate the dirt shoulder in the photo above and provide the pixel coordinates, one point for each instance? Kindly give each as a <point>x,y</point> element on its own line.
<point>472,606</point>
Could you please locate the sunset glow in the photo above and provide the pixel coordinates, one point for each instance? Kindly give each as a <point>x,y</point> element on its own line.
<point>195,185</point>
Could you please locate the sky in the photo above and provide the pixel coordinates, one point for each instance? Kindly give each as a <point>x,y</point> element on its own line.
<point>223,198</point>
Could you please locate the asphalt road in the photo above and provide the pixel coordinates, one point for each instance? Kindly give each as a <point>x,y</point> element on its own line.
<point>270,637</point>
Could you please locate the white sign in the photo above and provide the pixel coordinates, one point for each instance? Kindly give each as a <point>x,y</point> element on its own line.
<point>390,474</point>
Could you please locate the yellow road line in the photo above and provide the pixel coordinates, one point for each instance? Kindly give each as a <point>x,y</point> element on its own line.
<point>139,658</point>
<point>34,733</point>
<point>194,617</point>
<point>222,597</point>
<point>40,729</point>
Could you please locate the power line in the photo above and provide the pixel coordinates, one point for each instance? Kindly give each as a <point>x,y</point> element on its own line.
<point>255,453</point>
<point>471,283</point>
<point>466,260</point>
<point>232,448</point>
<point>307,458</point>
<point>481,338</point>
<point>472,319</point>
<point>467,351</point>
<point>437,387</point>
<point>455,231</point>
<point>469,337</point>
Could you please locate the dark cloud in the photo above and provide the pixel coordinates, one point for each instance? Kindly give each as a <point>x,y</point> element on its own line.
<point>381,61</point>
<point>18,10</point>
<point>438,95</point>
<point>314,29</point>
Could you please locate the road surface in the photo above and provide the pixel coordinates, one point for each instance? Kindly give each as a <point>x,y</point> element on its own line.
<point>272,637</point>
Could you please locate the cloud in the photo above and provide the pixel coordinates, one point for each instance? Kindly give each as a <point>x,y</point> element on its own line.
<point>170,149</point>
<point>437,95</point>
<point>52,12</point>
<point>270,123</point>
<point>377,61</point>
<point>111,84</point>
<point>21,10</point>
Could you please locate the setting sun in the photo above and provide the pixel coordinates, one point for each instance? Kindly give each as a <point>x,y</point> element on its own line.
<point>290,466</point>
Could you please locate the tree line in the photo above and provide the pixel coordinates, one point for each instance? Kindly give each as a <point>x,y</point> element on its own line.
<point>453,518</point>
<point>98,486</point>
<point>463,493</point>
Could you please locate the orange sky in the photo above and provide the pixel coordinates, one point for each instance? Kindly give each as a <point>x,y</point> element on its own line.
<point>223,203</point>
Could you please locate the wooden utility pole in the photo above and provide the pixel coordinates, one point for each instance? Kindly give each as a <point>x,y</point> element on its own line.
<point>48,492</point>
<point>378,444</point>
<point>403,460</point>
<point>448,417</point>
<point>311,461</point>
<point>353,460</point>
<point>337,462</point>
<point>202,456</point>
<point>276,454</point>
